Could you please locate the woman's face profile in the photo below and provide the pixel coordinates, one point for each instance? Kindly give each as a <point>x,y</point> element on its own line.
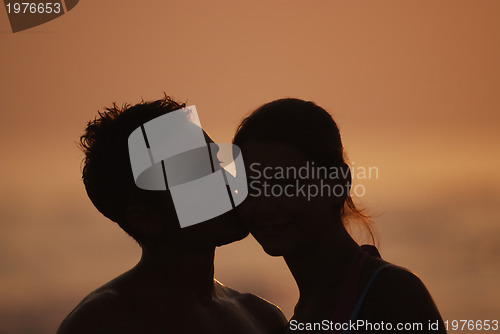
<point>282,211</point>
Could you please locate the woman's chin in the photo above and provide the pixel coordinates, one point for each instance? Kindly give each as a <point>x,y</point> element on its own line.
<point>274,248</point>
<point>276,241</point>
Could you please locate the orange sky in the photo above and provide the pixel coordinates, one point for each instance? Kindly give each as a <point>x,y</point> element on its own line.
<point>413,85</point>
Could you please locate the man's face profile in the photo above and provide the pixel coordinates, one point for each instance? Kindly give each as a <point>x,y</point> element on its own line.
<point>172,153</point>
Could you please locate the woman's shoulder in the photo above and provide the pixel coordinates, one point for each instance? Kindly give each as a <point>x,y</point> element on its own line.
<point>388,279</point>
<point>397,282</point>
<point>397,295</point>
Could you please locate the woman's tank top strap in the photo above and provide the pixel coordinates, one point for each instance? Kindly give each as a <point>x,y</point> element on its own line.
<point>347,299</point>
<point>349,304</point>
<point>362,297</point>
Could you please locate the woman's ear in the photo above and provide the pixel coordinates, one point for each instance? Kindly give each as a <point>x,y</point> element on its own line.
<point>145,219</point>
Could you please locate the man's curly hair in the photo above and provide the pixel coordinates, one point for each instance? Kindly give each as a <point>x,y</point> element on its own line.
<point>107,173</point>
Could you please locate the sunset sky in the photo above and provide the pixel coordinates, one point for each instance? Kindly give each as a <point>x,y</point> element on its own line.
<point>413,85</point>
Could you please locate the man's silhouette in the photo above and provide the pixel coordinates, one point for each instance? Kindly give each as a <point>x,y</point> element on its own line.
<point>172,289</point>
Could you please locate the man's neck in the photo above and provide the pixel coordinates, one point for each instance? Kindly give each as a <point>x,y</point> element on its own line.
<point>180,270</point>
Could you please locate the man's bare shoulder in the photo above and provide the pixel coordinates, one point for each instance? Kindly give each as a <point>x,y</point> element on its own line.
<point>266,313</point>
<point>121,306</point>
<point>95,313</point>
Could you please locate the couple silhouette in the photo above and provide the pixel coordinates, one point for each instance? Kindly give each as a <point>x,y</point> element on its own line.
<point>344,287</point>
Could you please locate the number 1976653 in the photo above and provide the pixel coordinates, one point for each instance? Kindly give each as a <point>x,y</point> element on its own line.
<point>33,8</point>
<point>471,325</point>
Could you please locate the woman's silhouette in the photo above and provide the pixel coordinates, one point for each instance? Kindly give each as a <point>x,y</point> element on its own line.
<point>297,208</point>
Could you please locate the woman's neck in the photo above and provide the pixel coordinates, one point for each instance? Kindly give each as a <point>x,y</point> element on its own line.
<point>320,269</point>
